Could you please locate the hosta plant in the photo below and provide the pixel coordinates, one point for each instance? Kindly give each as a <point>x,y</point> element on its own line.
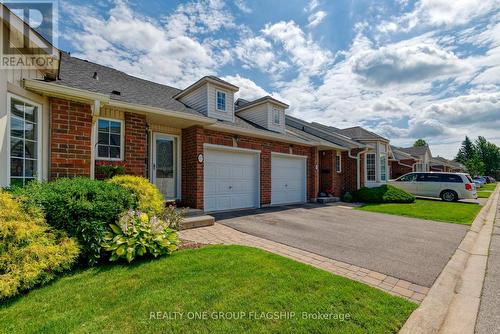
<point>136,234</point>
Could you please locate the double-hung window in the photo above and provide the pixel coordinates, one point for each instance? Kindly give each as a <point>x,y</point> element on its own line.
<point>338,163</point>
<point>109,139</point>
<point>370,167</point>
<point>220,100</point>
<point>24,151</point>
<point>383,167</point>
<point>276,116</point>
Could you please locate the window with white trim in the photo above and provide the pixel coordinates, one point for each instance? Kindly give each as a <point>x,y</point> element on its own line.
<point>24,126</point>
<point>338,163</point>
<point>370,167</point>
<point>276,116</point>
<point>220,98</point>
<point>109,139</point>
<point>383,167</point>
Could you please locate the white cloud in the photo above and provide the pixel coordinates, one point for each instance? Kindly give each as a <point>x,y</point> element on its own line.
<point>397,64</point>
<point>257,52</point>
<point>241,4</point>
<point>302,50</point>
<point>312,5</point>
<point>249,90</point>
<point>316,18</point>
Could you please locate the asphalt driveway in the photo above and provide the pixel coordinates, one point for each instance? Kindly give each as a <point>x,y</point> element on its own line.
<point>412,249</point>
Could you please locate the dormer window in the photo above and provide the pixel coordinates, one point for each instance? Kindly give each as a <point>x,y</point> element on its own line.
<point>276,116</point>
<point>221,100</point>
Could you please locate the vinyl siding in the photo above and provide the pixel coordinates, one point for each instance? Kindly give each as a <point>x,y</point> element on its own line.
<point>270,118</point>
<point>197,99</point>
<point>257,115</point>
<point>228,115</point>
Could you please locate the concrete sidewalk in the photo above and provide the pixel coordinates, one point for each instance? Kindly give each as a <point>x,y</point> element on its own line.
<point>488,320</point>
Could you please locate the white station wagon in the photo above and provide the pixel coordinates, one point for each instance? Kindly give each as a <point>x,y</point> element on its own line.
<point>447,186</point>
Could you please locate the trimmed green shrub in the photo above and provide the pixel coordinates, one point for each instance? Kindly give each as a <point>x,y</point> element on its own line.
<point>31,252</point>
<point>383,194</point>
<point>347,197</point>
<point>111,170</point>
<point>136,235</point>
<point>148,197</point>
<point>82,207</point>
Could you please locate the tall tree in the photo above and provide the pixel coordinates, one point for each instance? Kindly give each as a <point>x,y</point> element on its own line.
<point>466,151</point>
<point>475,166</point>
<point>489,154</point>
<point>419,143</point>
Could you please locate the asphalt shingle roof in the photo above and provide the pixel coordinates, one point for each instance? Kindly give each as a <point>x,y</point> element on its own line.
<point>415,151</point>
<point>359,133</point>
<point>79,73</point>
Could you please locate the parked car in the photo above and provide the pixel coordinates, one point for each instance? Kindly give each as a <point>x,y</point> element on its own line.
<point>490,179</point>
<point>480,179</point>
<point>477,183</point>
<point>447,186</point>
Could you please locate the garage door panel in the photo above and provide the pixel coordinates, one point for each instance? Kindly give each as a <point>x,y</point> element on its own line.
<point>288,178</point>
<point>231,179</point>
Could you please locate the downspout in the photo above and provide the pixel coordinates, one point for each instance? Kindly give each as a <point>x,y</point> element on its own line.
<point>357,157</point>
<point>96,109</point>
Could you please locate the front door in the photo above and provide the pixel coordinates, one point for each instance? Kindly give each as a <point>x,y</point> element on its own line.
<point>165,165</point>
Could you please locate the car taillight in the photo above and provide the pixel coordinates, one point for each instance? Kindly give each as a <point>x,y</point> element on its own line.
<point>468,186</point>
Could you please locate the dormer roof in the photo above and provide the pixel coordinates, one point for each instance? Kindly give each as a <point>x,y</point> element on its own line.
<point>204,80</point>
<point>242,104</point>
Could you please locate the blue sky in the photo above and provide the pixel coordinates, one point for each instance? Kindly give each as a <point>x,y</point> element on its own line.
<point>405,69</point>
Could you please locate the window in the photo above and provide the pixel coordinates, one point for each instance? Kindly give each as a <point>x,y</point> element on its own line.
<point>430,178</point>
<point>221,101</point>
<point>370,167</point>
<point>421,167</point>
<point>338,163</point>
<point>24,145</point>
<point>451,178</point>
<point>383,167</point>
<point>408,178</point>
<point>276,116</point>
<point>109,139</point>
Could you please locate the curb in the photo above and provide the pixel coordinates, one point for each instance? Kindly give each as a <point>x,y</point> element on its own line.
<point>452,304</point>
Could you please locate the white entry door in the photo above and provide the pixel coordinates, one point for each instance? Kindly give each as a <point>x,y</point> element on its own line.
<point>288,179</point>
<point>231,179</point>
<point>165,165</point>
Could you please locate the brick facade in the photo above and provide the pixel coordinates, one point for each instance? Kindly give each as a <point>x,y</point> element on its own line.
<point>193,139</point>
<point>70,144</point>
<point>397,169</point>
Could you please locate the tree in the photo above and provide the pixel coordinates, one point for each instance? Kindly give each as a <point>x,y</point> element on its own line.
<point>419,143</point>
<point>466,151</point>
<point>489,154</point>
<point>475,166</point>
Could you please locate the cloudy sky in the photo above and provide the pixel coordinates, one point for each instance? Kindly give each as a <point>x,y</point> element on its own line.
<point>404,69</point>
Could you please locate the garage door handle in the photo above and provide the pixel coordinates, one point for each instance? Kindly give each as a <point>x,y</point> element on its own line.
<point>230,187</point>
<point>286,185</point>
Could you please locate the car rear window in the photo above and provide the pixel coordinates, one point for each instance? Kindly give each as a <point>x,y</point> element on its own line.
<point>451,178</point>
<point>468,178</point>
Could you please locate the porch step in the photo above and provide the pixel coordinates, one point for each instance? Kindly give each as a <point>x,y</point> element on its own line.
<point>188,212</point>
<point>198,221</point>
<point>324,200</point>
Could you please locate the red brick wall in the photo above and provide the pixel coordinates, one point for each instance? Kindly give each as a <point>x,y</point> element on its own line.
<point>397,169</point>
<point>192,172</point>
<point>70,145</point>
<point>349,171</point>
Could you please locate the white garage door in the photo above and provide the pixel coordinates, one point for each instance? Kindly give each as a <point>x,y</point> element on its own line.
<point>231,179</point>
<point>288,179</point>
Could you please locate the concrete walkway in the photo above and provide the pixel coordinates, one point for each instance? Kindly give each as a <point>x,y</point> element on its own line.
<point>220,234</point>
<point>488,320</point>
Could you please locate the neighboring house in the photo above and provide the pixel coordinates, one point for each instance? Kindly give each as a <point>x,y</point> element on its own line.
<point>419,158</point>
<point>440,164</point>
<point>197,144</point>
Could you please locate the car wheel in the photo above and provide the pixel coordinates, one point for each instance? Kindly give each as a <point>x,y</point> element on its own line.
<point>449,196</point>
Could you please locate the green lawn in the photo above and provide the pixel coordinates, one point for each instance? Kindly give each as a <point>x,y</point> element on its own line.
<point>121,298</point>
<point>488,186</point>
<point>454,212</point>
<point>484,194</point>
